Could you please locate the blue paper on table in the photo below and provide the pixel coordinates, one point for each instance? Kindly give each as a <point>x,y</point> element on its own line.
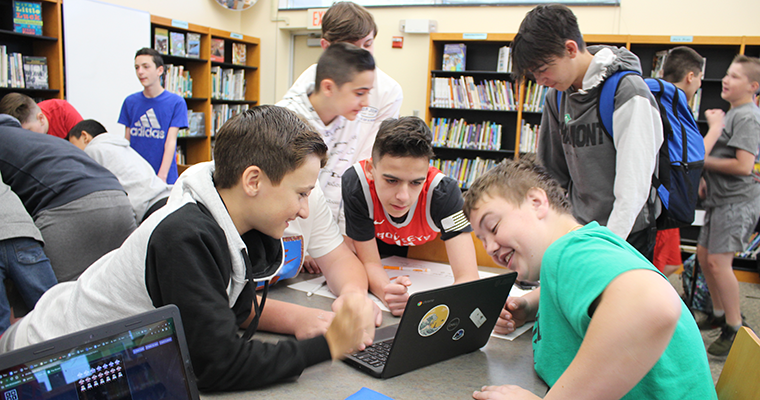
<point>368,394</point>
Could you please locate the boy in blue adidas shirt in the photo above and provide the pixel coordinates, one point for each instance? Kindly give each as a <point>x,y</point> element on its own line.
<point>608,324</point>
<point>608,180</point>
<point>154,116</point>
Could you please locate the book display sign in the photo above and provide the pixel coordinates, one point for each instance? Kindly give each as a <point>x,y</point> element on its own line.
<point>27,17</point>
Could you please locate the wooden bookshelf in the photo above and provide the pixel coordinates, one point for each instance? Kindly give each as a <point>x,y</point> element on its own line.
<point>198,148</point>
<point>49,45</point>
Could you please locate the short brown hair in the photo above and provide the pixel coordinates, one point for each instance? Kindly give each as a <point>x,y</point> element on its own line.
<point>272,138</point>
<point>680,61</point>
<point>511,180</point>
<point>403,137</point>
<point>346,21</point>
<point>341,62</point>
<point>19,106</point>
<point>751,67</point>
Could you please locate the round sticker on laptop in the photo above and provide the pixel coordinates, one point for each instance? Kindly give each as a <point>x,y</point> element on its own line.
<point>433,320</point>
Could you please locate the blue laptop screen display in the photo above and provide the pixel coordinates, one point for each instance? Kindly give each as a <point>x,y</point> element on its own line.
<point>144,363</point>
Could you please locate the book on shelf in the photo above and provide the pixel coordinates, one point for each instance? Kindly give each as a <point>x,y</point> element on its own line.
<point>528,137</point>
<point>223,112</point>
<point>695,103</point>
<point>35,72</point>
<point>196,125</point>
<point>14,71</point>
<point>239,53</point>
<point>462,92</point>
<point>177,80</point>
<point>227,83</point>
<point>177,44</point>
<point>454,57</point>
<point>27,17</point>
<point>217,50</point>
<point>193,45</point>
<point>464,170</point>
<point>161,40</point>
<point>504,63</point>
<point>459,134</point>
<point>4,66</point>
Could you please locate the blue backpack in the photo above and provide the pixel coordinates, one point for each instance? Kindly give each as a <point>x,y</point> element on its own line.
<point>682,155</point>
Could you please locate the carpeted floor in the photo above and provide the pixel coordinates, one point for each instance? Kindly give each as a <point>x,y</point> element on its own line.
<point>750,306</point>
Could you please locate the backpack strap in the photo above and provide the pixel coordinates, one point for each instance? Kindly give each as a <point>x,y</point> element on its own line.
<point>607,99</point>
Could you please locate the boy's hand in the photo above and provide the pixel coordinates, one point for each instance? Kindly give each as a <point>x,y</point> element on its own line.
<point>396,294</point>
<point>314,324</point>
<point>714,116</point>
<point>310,265</point>
<point>513,315</point>
<point>503,392</point>
<point>352,323</point>
<point>702,191</point>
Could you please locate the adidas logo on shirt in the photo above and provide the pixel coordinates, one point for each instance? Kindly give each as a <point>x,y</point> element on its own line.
<point>148,126</point>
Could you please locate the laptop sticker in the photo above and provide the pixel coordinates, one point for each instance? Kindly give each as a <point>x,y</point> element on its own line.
<point>477,317</point>
<point>433,320</point>
<point>452,325</point>
<point>458,335</point>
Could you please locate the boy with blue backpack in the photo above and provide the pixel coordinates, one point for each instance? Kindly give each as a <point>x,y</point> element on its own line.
<point>608,178</point>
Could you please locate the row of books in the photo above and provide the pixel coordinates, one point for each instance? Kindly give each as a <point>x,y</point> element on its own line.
<point>177,43</point>
<point>196,125</point>
<point>455,58</point>
<point>227,83</point>
<point>20,71</point>
<point>529,137</point>
<point>222,112</point>
<point>462,92</point>
<point>459,134</point>
<point>177,80</point>
<point>180,154</point>
<point>464,170</point>
<point>534,97</point>
<point>27,17</point>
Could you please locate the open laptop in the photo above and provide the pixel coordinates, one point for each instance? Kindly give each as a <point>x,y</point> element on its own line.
<point>141,357</point>
<point>437,325</point>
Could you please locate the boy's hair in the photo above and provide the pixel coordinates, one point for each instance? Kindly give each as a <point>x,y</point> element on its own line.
<point>346,21</point>
<point>751,67</point>
<point>511,180</point>
<point>94,128</point>
<point>680,61</point>
<point>19,106</point>
<point>147,51</point>
<point>341,62</point>
<point>272,138</point>
<point>542,36</point>
<point>403,137</point>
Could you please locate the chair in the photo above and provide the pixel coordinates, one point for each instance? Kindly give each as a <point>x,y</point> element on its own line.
<point>740,378</point>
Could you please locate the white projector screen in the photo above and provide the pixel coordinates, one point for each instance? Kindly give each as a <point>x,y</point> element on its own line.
<point>100,41</point>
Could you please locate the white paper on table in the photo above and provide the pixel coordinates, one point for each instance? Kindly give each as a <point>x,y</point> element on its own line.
<point>440,275</point>
<point>515,292</point>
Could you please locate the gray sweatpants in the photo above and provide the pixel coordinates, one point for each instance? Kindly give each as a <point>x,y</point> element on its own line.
<point>78,233</point>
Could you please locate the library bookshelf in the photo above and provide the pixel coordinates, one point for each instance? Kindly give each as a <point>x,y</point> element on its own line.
<point>198,148</point>
<point>49,45</point>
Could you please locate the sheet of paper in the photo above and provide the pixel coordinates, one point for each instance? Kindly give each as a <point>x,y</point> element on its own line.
<point>517,332</point>
<point>433,275</point>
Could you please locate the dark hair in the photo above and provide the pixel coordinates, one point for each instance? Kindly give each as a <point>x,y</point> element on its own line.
<point>94,128</point>
<point>272,138</point>
<point>403,137</point>
<point>680,61</point>
<point>341,62</point>
<point>542,36</point>
<point>19,106</point>
<point>346,21</point>
<point>147,51</point>
<point>511,180</point>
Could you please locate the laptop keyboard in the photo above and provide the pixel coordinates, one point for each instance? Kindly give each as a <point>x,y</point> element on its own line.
<point>375,355</point>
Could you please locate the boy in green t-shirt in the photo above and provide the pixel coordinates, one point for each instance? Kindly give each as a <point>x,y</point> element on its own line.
<point>608,324</point>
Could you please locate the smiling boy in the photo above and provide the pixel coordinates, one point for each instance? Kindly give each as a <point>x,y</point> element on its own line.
<point>396,199</point>
<point>154,116</point>
<point>218,235</point>
<point>608,324</point>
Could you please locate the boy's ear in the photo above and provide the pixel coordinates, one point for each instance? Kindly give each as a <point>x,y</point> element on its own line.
<point>369,168</point>
<point>327,87</point>
<point>324,43</point>
<point>571,47</point>
<point>160,70</point>
<point>251,180</point>
<point>755,86</point>
<point>538,201</point>
<point>689,77</point>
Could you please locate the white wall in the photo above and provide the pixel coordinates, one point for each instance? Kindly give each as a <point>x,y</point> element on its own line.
<point>409,65</point>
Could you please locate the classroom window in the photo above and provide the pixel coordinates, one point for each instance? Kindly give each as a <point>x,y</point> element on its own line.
<point>299,4</point>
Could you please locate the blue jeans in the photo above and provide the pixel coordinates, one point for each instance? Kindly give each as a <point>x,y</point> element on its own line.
<point>23,261</point>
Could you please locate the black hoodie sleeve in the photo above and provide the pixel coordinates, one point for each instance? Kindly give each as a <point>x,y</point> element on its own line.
<point>188,264</point>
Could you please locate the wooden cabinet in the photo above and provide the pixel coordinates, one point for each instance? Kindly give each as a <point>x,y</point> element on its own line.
<point>49,45</point>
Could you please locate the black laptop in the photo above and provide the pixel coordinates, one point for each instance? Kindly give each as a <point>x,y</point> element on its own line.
<point>437,325</point>
<point>140,357</point>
